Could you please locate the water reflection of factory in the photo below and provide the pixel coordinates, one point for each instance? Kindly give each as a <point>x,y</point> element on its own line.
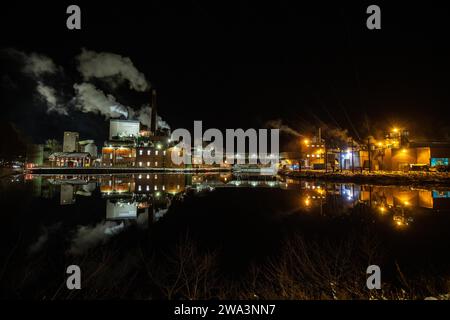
<point>402,203</point>
<point>128,197</point>
<point>142,194</point>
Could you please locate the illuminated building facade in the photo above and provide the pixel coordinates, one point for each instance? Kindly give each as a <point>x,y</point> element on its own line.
<point>118,154</point>
<point>414,156</point>
<point>314,153</point>
<point>70,159</point>
<point>123,129</point>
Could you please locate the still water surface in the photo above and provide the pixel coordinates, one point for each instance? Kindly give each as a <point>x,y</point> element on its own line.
<point>247,217</point>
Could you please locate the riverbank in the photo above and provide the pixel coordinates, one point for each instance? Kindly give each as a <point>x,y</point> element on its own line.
<point>380,177</point>
<point>112,170</point>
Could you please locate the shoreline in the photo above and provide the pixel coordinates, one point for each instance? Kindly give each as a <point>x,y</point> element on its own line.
<point>384,178</point>
<point>380,178</point>
<point>120,170</point>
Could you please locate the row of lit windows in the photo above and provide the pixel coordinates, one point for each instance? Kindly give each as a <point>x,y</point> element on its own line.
<point>147,188</point>
<point>148,163</point>
<point>315,156</point>
<point>155,188</point>
<point>148,176</point>
<point>315,146</point>
<point>149,152</point>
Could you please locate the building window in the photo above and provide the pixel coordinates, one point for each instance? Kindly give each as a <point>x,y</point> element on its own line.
<point>156,163</point>
<point>147,188</point>
<point>156,152</point>
<point>148,163</point>
<point>148,176</point>
<point>140,176</point>
<point>148,152</point>
<point>110,156</point>
<point>140,163</point>
<point>140,152</point>
<point>139,188</point>
<point>164,152</point>
<point>156,187</point>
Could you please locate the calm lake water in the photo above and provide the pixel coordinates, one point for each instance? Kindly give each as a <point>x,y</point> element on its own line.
<point>53,220</point>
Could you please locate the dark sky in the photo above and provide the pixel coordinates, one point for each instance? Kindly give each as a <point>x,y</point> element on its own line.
<point>241,65</point>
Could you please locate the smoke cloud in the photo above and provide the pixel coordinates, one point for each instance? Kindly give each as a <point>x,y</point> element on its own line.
<point>163,124</point>
<point>38,65</point>
<point>112,68</point>
<point>48,94</point>
<point>34,64</point>
<point>91,99</point>
<point>143,114</point>
<point>278,124</point>
<point>335,137</point>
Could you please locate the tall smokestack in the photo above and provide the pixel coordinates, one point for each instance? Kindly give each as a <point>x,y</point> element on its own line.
<point>154,115</point>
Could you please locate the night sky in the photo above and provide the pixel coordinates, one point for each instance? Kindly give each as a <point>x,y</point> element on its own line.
<point>240,66</point>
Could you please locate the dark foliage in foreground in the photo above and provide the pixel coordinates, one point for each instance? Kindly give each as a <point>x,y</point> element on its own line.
<point>303,269</point>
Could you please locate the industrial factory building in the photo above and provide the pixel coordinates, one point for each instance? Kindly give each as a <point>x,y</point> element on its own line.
<point>70,159</point>
<point>393,153</point>
<point>72,153</point>
<point>416,156</point>
<point>131,144</point>
<point>119,154</point>
<point>123,129</point>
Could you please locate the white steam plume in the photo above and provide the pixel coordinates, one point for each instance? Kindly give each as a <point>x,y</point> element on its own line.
<point>34,64</point>
<point>163,124</point>
<point>91,99</point>
<point>112,68</point>
<point>278,124</point>
<point>48,94</point>
<point>38,65</point>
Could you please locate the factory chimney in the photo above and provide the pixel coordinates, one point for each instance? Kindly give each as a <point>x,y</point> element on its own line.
<point>154,114</point>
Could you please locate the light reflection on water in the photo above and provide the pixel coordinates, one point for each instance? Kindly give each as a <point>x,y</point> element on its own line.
<point>129,196</point>
<point>54,221</point>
